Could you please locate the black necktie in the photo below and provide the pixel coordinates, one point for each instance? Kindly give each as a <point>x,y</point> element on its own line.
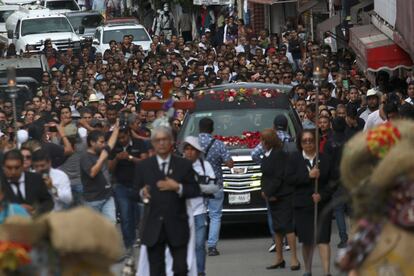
<point>19,194</point>
<point>309,164</point>
<point>164,166</point>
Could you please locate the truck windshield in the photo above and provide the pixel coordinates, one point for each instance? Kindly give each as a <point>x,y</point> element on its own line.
<point>62,5</point>
<point>117,35</point>
<point>45,25</point>
<point>87,21</point>
<point>234,122</point>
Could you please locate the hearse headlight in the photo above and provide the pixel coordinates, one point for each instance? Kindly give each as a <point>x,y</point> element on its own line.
<point>255,183</point>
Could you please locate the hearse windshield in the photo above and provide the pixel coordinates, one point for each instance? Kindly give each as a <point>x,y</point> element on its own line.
<point>233,122</point>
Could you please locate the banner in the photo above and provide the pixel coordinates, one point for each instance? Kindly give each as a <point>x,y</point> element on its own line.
<point>387,10</point>
<point>212,2</point>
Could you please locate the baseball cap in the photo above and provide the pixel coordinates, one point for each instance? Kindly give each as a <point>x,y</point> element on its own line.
<point>187,49</point>
<point>192,141</point>
<point>373,92</point>
<point>93,98</point>
<point>280,122</point>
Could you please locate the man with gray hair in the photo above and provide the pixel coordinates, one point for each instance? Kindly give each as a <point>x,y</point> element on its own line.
<point>165,181</point>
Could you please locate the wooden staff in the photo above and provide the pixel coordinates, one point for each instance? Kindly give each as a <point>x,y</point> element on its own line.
<point>317,74</point>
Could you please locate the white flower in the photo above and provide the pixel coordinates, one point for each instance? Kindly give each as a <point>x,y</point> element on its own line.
<point>231,99</point>
<point>268,95</point>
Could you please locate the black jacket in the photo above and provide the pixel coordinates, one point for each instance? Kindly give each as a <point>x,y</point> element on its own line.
<point>166,209</point>
<point>36,193</point>
<point>273,174</point>
<point>297,176</point>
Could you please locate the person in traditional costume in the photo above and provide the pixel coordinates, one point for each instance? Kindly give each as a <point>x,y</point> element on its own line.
<point>377,169</point>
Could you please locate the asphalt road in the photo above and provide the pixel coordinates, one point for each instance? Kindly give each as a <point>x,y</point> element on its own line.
<point>244,252</point>
<point>243,249</point>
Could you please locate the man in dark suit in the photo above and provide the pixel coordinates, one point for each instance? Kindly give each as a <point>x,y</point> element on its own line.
<point>165,182</point>
<point>25,188</point>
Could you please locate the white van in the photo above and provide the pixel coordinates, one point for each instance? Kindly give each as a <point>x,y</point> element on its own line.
<point>116,31</point>
<point>5,12</point>
<point>28,29</point>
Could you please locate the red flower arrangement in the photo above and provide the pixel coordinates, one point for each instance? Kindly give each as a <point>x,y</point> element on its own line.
<point>382,138</point>
<point>248,139</point>
<point>13,255</point>
<point>240,95</point>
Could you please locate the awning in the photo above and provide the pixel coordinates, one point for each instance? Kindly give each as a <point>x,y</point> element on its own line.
<point>271,2</point>
<point>375,51</point>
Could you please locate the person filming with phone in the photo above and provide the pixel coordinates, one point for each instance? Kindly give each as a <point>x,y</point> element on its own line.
<point>57,181</point>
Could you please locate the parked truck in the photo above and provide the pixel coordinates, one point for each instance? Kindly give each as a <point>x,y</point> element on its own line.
<point>28,29</point>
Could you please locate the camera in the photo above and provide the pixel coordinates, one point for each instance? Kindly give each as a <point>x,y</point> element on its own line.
<point>123,121</point>
<point>208,186</point>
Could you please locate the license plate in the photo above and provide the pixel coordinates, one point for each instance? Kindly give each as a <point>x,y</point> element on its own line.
<point>243,198</point>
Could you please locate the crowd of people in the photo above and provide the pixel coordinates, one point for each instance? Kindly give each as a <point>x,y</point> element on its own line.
<point>83,134</point>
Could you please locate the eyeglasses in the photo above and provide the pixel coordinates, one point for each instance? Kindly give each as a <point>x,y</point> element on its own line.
<point>286,77</point>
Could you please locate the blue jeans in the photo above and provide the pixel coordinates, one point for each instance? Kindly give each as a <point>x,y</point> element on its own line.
<point>106,207</point>
<point>339,212</point>
<point>215,207</point>
<point>269,221</point>
<point>129,213</point>
<point>77,194</point>
<point>200,224</point>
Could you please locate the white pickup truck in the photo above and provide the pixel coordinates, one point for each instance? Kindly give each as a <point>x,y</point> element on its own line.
<point>28,29</point>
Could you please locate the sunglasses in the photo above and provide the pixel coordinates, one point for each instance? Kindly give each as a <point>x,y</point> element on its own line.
<point>307,141</point>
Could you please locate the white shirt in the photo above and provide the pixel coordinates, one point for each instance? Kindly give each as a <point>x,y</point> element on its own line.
<point>100,95</point>
<point>198,205</point>
<point>22,186</point>
<point>82,132</point>
<point>168,170</point>
<point>373,120</point>
<point>364,115</point>
<point>310,159</point>
<point>409,100</point>
<point>167,161</point>
<point>240,49</point>
<point>61,182</point>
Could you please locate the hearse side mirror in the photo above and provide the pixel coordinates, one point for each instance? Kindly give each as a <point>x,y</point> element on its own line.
<point>81,29</point>
<point>95,41</point>
<point>10,34</point>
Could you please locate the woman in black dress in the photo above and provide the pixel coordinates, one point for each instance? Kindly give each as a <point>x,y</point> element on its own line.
<point>301,174</point>
<point>279,196</point>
